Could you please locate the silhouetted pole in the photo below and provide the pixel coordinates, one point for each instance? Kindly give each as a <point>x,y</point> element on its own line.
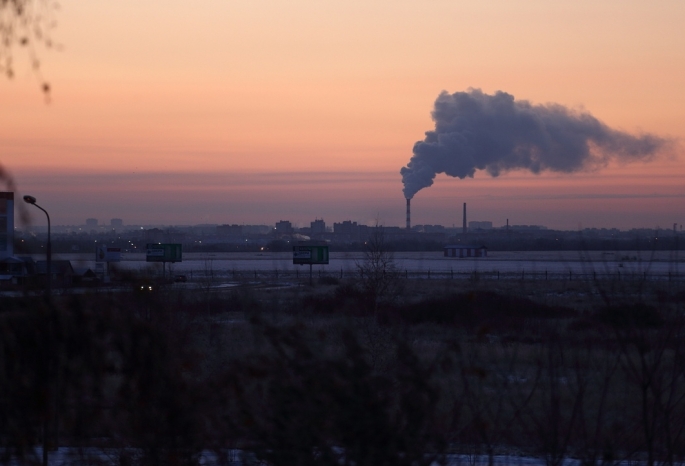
<point>48,293</point>
<point>48,286</point>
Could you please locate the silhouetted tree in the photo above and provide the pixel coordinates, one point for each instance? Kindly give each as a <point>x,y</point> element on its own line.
<point>295,403</point>
<point>378,274</point>
<point>25,24</point>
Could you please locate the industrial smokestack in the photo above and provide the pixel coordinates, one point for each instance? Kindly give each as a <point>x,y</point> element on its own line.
<point>408,215</point>
<point>464,227</point>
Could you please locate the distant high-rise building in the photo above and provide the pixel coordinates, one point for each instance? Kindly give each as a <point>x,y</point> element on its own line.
<point>116,222</point>
<point>318,227</point>
<point>346,230</point>
<point>6,224</point>
<point>284,227</point>
<point>91,222</point>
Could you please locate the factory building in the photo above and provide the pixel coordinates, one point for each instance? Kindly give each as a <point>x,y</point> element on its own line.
<point>462,250</point>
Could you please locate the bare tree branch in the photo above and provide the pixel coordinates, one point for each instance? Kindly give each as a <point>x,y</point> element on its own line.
<point>26,24</point>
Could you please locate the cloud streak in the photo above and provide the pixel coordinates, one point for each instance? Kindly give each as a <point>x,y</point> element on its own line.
<point>496,133</point>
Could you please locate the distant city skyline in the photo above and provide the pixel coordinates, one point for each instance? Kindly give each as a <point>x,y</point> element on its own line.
<point>599,199</point>
<point>254,112</point>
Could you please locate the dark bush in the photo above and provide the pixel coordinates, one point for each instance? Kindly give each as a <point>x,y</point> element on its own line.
<point>638,315</point>
<point>112,369</point>
<point>478,309</point>
<point>328,280</point>
<point>296,403</point>
<point>345,299</point>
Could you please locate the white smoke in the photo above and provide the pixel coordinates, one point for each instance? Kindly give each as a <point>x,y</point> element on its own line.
<point>477,131</point>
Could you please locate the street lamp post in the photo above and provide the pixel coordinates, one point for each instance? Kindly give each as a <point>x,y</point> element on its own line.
<point>48,288</point>
<point>48,296</point>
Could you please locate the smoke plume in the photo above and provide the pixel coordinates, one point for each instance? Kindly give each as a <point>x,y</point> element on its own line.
<point>496,133</point>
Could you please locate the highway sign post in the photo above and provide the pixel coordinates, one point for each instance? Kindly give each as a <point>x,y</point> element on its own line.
<point>164,252</point>
<point>310,252</point>
<point>104,255</point>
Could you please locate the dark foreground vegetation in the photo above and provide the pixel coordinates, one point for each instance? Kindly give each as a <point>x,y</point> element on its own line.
<point>370,371</point>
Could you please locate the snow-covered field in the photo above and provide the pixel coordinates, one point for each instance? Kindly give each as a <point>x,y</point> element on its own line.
<point>625,262</point>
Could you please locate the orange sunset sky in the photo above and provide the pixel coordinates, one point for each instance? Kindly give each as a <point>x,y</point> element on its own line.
<point>253,111</point>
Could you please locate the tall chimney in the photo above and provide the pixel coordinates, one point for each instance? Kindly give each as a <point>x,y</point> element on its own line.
<point>408,215</point>
<point>464,227</point>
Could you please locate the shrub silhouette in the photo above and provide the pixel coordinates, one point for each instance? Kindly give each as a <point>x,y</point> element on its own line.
<point>479,308</point>
<point>296,404</point>
<point>630,315</point>
<point>98,369</point>
<point>345,299</point>
<point>136,375</point>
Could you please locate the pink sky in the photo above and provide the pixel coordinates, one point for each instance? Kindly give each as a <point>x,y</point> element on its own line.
<point>258,111</point>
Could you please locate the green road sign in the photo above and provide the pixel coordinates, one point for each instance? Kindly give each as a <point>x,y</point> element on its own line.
<point>157,252</point>
<point>310,254</point>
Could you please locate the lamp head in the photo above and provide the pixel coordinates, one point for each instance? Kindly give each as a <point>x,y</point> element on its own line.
<point>29,199</point>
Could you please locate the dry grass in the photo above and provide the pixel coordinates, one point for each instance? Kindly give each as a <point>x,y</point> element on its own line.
<point>551,368</point>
